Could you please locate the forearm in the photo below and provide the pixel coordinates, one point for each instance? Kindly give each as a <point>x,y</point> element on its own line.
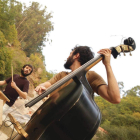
<point>3,83</point>
<point>21,93</point>
<point>42,87</point>
<point>113,88</point>
<point>45,84</point>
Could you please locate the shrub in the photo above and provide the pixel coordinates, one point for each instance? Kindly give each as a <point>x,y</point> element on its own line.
<point>119,133</point>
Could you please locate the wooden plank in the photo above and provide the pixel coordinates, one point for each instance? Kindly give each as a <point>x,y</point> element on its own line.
<point>1,111</point>
<point>4,98</point>
<point>17,126</point>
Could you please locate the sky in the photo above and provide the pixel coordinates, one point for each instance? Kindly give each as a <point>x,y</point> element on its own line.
<point>98,24</point>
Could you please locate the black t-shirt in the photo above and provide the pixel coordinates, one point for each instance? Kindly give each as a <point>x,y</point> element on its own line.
<point>21,82</point>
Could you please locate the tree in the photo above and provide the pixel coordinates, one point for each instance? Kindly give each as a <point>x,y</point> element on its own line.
<point>135,91</point>
<point>5,62</point>
<point>3,41</point>
<point>7,21</point>
<point>33,28</point>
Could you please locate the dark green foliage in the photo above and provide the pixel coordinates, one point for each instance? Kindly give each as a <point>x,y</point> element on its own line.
<point>121,121</point>
<point>5,62</point>
<point>3,41</point>
<point>7,20</point>
<point>119,133</point>
<point>125,120</point>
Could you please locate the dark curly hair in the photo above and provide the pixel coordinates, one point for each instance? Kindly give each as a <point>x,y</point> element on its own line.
<point>85,53</point>
<point>29,66</point>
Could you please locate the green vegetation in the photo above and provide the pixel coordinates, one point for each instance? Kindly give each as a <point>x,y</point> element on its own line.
<point>23,32</point>
<point>121,121</point>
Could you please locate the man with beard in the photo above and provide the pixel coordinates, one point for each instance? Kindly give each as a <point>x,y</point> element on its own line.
<point>18,87</point>
<point>79,56</point>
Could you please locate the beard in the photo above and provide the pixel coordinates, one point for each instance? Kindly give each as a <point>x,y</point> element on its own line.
<point>69,62</point>
<point>23,74</point>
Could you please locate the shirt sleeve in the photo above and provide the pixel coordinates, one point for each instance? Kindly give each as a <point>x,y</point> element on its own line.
<point>95,80</point>
<point>8,80</point>
<point>57,77</point>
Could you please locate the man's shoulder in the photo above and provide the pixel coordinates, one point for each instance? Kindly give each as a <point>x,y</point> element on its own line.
<point>63,73</point>
<point>16,75</point>
<point>26,81</point>
<point>22,78</point>
<point>91,72</point>
<point>60,75</point>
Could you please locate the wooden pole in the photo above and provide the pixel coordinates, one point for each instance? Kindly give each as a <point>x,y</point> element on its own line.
<point>1,111</point>
<point>12,71</point>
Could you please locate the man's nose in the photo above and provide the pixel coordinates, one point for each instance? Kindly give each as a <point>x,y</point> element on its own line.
<point>27,70</point>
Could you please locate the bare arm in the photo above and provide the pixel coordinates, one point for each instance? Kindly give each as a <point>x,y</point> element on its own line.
<point>3,83</point>
<point>111,91</point>
<point>21,93</point>
<point>40,88</point>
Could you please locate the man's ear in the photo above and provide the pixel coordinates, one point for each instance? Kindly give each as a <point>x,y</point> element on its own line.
<point>76,56</point>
